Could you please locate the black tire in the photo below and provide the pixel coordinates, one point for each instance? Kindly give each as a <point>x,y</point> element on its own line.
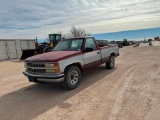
<point>48,49</point>
<point>44,49</point>
<point>110,64</point>
<point>41,49</point>
<point>72,78</point>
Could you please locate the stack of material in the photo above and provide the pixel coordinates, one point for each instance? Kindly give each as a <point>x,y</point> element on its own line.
<point>156,43</point>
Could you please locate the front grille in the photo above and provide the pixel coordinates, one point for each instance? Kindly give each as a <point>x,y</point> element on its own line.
<point>36,67</point>
<point>35,64</point>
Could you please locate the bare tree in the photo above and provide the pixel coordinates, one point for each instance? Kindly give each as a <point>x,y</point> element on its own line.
<point>59,32</point>
<point>76,32</point>
<point>63,35</point>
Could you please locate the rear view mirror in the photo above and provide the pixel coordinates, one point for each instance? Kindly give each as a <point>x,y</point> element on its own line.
<point>88,49</point>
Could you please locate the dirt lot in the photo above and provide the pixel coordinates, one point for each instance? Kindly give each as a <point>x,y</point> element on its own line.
<point>131,91</point>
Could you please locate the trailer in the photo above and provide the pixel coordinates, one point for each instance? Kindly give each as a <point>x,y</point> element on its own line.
<point>14,48</point>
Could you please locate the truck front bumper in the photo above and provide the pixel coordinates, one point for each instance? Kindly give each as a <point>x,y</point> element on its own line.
<point>44,78</point>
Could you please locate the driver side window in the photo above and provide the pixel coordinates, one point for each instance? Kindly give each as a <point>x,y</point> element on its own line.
<point>90,43</point>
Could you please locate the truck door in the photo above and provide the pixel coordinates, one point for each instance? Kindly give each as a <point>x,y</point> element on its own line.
<point>93,58</point>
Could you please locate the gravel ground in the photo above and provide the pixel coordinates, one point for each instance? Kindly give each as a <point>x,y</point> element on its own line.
<point>131,91</point>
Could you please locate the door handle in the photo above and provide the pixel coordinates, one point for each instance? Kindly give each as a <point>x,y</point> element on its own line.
<point>97,52</point>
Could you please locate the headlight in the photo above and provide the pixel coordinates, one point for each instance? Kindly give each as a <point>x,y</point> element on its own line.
<point>52,68</point>
<point>50,65</point>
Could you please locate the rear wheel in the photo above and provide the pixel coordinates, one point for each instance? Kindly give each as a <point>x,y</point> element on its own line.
<point>42,48</point>
<point>72,78</point>
<point>110,64</point>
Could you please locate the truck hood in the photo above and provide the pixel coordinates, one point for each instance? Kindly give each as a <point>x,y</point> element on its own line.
<point>53,56</point>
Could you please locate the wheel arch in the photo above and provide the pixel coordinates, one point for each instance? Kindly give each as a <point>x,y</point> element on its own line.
<point>113,54</point>
<point>78,64</point>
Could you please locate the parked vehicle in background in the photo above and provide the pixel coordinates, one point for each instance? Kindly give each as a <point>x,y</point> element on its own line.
<point>150,42</point>
<point>125,42</point>
<point>102,43</point>
<point>120,44</point>
<point>69,59</point>
<point>42,47</point>
<point>134,42</point>
<point>157,38</point>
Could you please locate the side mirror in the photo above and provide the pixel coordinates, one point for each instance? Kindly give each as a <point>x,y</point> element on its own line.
<point>88,49</point>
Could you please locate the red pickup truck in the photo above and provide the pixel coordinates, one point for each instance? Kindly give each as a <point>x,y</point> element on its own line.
<point>69,59</point>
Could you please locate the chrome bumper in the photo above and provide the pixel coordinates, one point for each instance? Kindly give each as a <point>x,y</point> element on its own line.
<point>44,78</point>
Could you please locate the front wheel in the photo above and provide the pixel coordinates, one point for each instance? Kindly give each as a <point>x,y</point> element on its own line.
<point>110,64</point>
<point>72,78</point>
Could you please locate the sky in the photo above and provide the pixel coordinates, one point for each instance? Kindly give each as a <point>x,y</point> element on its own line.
<point>38,18</point>
<point>135,35</point>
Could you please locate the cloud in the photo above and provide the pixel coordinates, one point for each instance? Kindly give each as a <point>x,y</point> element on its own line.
<point>32,18</point>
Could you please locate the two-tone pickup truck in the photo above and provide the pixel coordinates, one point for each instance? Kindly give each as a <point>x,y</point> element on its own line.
<point>69,59</point>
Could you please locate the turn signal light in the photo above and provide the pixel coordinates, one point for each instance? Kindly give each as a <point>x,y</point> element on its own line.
<point>57,70</point>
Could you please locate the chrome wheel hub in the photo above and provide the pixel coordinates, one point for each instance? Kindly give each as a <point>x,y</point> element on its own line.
<point>73,77</point>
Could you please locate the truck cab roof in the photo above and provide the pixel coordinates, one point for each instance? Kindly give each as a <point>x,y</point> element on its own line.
<point>82,37</point>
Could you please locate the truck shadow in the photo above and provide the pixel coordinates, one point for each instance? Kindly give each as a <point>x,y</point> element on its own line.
<point>29,102</point>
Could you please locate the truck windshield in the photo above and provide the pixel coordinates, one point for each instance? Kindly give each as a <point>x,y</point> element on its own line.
<point>69,45</point>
